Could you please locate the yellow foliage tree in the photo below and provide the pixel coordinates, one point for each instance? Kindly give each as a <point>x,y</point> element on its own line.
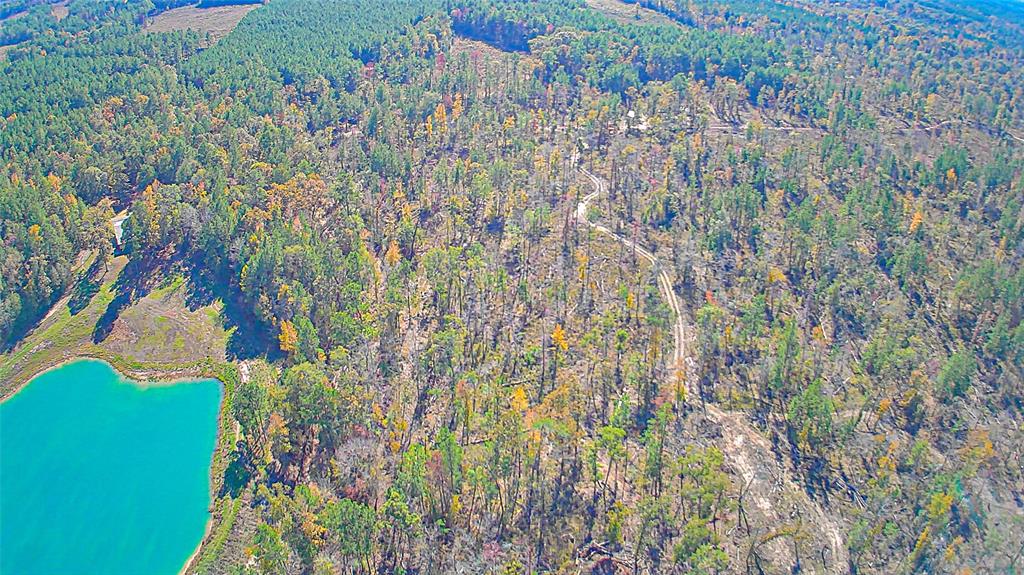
<point>54,182</point>
<point>441,117</point>
<point>931,104</point>
<point>288,337</point>
<point>939,507</point>
<point>518,401</point>
<point>457,107</point>
<point>922,541</point>
<point>916,221</point>
<point>392,255</point>
<point>581,261</point>
<point>558,337</point>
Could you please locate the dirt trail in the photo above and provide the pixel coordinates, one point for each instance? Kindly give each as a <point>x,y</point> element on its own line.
<point>744,447</point>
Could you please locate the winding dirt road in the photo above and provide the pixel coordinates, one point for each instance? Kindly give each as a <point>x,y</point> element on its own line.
<point>744,447</point>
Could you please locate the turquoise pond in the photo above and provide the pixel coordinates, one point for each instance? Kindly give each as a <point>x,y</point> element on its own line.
<point>101,475</point>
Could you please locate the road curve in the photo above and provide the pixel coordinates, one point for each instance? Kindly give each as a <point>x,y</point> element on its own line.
<point>744,447</point>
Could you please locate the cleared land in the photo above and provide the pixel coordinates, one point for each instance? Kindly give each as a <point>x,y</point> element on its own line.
<point>59,10</point>
<point>218,21</point>
<point>479,52</point>
<point>156,336</point>
<point>14,16</point>
<point>629,13</point>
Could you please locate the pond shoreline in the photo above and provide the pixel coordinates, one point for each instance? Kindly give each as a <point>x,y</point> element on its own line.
<point>138,376</point>
<point>207,530</point>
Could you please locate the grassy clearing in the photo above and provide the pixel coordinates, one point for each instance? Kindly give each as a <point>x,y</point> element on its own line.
<point>61,336</point>
<point>231,518</point>
<point>218,21</point>
<point>227,509</point>
<point>60,10</point>
<point>481,51</point>
<point>157,336</point>
<point>160,328</point>
<point>629,13</point>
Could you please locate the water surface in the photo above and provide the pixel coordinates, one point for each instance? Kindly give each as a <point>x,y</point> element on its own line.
<point>101,475</point>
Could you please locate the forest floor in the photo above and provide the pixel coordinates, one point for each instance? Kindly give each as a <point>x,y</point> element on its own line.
<point>156,336</point>
<point>219,21</point>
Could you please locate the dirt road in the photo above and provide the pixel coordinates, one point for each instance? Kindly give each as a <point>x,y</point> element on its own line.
<point>744,447</point>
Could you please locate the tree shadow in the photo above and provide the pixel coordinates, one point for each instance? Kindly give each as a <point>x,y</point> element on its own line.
<point>237,474</point>
<point>135,281</point>
<point>250,337</point>
<point>20,329</point>
<point>81,294</point>
<point>87,287</point>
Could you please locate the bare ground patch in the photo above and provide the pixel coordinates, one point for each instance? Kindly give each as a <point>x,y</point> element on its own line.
<point>161,328</point>
<point>218,21</point>
<point>629,13</point>
<point>482,52</point>
<point>476,49</point>
<point>60,10</point>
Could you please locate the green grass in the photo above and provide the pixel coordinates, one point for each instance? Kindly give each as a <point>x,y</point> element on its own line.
<point>59,338</point>
<point>162,337</point>
<point>168,287</point>
<point>228,508</point>
<point>213,314</point>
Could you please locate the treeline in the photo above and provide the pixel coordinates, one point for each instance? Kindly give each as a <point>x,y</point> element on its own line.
<point>78,100</point>
<point>44,227</point>
<point>574,41</point>
<point>269,49</point>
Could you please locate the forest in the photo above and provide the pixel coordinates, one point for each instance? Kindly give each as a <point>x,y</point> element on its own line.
<point>558,286</point>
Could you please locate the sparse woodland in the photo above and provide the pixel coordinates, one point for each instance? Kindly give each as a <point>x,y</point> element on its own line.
<point>444,369</point>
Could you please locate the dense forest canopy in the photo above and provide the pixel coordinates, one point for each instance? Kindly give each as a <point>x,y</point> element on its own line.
<point>559,285</point>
